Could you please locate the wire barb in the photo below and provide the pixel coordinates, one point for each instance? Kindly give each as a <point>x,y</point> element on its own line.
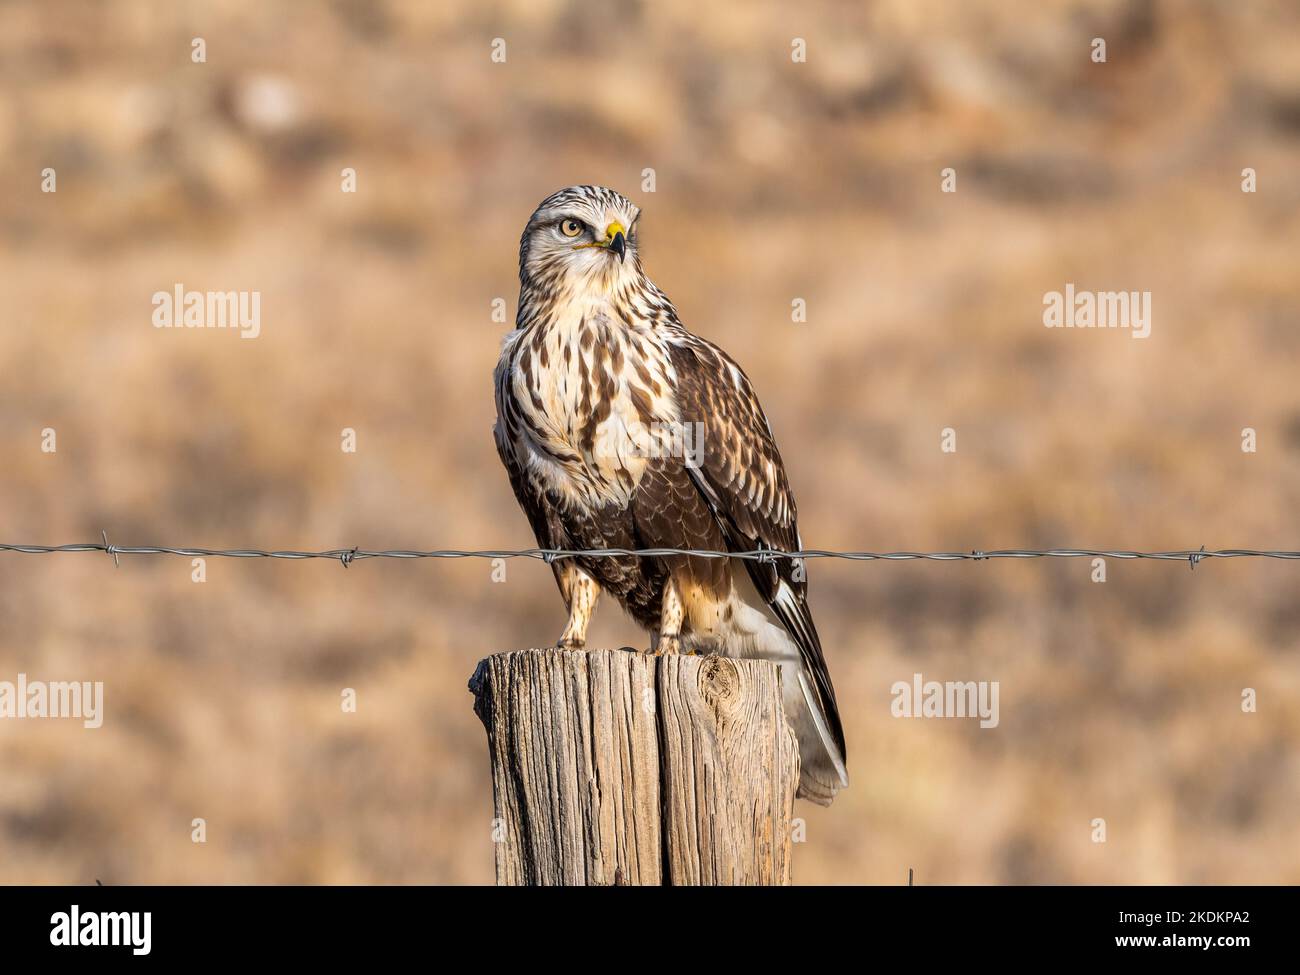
<point>110,549</point>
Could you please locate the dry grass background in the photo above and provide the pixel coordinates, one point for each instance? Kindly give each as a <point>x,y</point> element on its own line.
<point>775,180</point>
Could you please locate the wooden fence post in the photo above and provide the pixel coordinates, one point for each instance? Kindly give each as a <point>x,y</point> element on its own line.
<point>618,767</point>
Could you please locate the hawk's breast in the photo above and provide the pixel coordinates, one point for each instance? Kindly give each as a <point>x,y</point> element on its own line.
<point>591,401</point>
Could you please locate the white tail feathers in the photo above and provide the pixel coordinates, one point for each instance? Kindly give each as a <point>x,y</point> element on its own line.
<point>821,767</point>
<point>822,772</point>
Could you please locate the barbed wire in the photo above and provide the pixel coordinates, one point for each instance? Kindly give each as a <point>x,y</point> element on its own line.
<point>349,555</point>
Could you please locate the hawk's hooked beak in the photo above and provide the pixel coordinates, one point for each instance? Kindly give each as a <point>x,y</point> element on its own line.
<point>615,240</point>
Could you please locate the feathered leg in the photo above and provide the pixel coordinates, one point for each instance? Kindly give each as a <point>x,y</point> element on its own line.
<point>670,618</point>
<point>580,593</point>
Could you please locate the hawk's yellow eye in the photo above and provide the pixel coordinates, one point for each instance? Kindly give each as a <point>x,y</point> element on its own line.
<point>570,228</point>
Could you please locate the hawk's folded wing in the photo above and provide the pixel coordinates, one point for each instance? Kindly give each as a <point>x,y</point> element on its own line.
<point>741,476</point>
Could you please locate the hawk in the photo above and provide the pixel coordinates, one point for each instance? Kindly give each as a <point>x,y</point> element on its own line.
<point>621,429</point>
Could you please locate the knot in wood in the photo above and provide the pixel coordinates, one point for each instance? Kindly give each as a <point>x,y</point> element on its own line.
<point>719,682</point>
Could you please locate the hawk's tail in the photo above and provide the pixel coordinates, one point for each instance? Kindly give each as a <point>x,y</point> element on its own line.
<point>821,763</point>
<point>822,771</point>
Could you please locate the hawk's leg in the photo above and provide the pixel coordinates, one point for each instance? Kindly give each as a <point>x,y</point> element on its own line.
<point>671,614</point>
<point>580,593</point>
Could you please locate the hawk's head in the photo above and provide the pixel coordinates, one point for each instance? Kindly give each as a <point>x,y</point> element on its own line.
<point>584,236</point>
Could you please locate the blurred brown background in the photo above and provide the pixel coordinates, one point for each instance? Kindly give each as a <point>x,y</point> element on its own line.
<point>775,180</point>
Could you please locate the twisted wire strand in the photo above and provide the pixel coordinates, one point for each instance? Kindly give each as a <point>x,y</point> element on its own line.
<point>349,555</point>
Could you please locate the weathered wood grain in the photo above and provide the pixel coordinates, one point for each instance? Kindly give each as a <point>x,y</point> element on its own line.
<point>731,767</point>
<point>575,766</point>
<point>616,767</point>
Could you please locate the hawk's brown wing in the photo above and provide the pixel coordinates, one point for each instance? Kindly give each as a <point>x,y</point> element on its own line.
<point>742,478</point>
